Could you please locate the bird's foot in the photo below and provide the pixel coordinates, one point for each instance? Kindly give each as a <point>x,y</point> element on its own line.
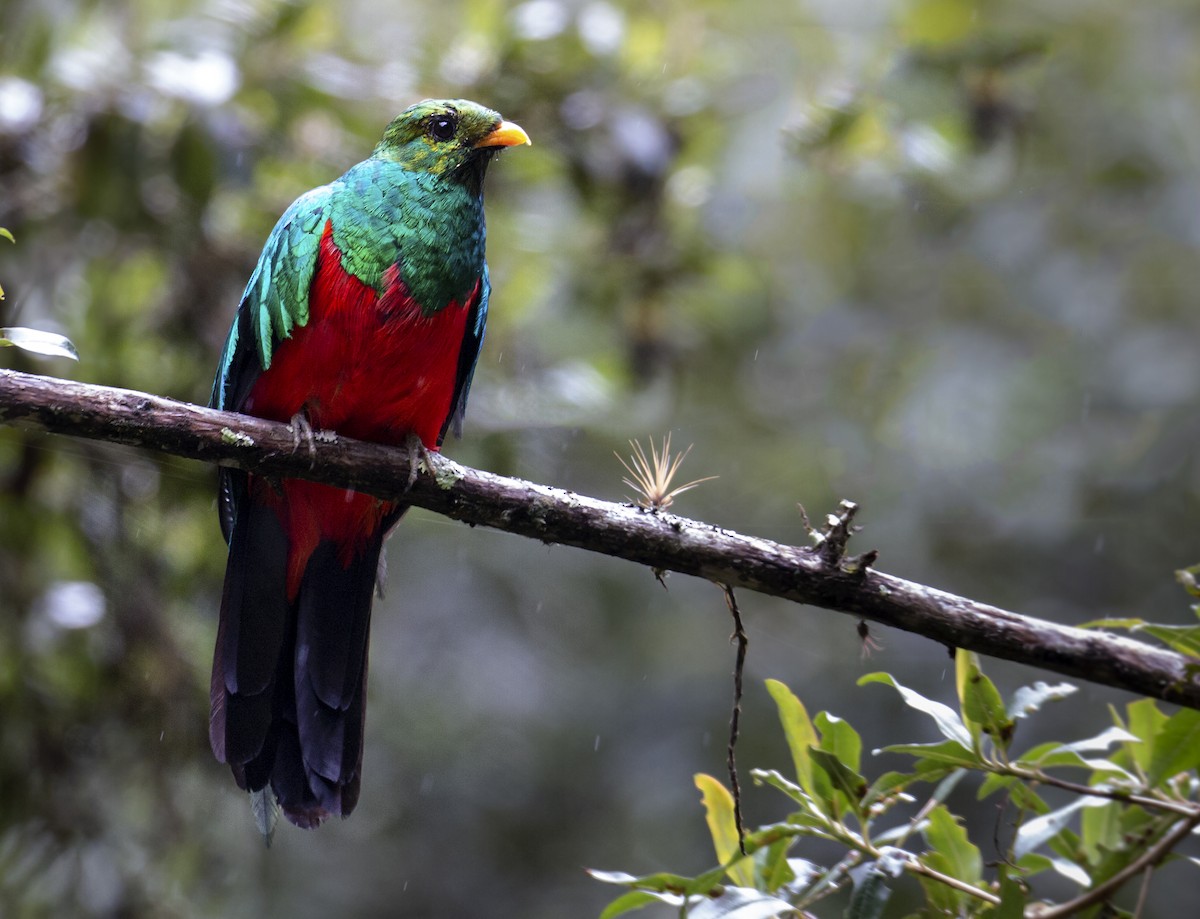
<point>303,435</point>
<point>418,456</point>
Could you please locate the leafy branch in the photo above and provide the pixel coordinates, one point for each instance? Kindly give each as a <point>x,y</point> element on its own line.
<point>1140,802</point>
<point>821,576</point>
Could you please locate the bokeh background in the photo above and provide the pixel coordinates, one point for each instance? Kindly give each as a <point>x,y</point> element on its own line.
<point>936,256</point>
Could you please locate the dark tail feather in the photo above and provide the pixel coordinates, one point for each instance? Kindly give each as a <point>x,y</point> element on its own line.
<point>255,621</point>
<point>288,686</point>
<point>333,621</point>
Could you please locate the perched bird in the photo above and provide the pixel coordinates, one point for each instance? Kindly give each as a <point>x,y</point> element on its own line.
<point>364,316</point>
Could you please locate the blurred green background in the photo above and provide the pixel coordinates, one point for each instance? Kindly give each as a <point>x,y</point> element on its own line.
<point>935,256</point>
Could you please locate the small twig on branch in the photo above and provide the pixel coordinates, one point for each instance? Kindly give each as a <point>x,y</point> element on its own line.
<point>739,635</point>
<point>1147,875</point>
<point>831,542</point>
<point>660,540</point>
<point>1040,777</point>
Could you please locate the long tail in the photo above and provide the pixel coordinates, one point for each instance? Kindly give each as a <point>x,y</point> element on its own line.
<point>289,677</point>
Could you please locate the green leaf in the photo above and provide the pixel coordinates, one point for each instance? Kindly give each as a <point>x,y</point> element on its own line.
<point>773,865</point>
<point>934,755</point>
<point>1182,638</point>
<point>801,735</point>
<point>952,853</point>
<point>848,784</point>
<point>887,785</point>
<point>1145,722</point>
<point>1029,699</point>
<point>1047,755</point>
<point>660,881</point>
<point>1064,757</point>
<point>993,783</point>
<point>1100,827</point>
<point>667,887</point>
<point>1101,741</point>
<point>1134,821</point>
<point>946,719</point>
<point>741,903</point>
<point>981,701</point>
<point>1127,623</point>
<point>636,899</point>
<point>961,858</point>
<point>963,661</point>
<point>1176,747</point>
<point>773,778</point>
<point>722,824</point>
<point>840,739</point>
<point>812,813</point>
<point>708,883</point>
<point>1033,756</point>
<point>36,341</point>
<point>1041,829</point>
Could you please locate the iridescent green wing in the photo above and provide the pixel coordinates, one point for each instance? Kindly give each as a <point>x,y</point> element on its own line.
<point>275,300</point>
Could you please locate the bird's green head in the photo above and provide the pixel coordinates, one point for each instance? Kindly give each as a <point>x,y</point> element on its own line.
<point>448,136</point>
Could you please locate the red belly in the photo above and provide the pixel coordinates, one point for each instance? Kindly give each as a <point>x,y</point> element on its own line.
<point>366,366</point>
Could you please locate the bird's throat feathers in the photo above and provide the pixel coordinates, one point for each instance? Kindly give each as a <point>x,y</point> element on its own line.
<point>430,226</point>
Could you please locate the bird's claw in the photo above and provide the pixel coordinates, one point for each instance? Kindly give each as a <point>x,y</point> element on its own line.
<point>302,435</point>
<point>418,455</point>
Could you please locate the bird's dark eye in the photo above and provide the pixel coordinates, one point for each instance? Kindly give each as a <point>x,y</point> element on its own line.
<point>442,127</point>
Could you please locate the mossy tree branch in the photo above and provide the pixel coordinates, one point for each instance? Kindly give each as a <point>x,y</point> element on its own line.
<point>821,576</point>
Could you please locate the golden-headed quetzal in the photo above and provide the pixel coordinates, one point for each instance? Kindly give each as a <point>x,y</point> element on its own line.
<point>364,316</point>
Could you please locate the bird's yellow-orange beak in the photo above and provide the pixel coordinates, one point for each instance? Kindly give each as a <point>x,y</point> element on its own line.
<point>506,134</point>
